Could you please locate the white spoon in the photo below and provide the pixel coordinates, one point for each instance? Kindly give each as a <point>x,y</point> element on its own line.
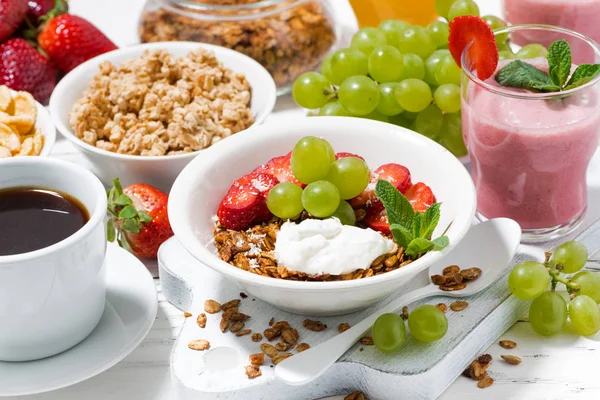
<point>489,246</point>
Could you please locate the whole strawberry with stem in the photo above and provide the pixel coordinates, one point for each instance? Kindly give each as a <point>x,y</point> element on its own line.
<point>12,14</point>
<point>40,8</point>
<point>70,40</point>
<point>138,218</point>
<point>22,67</point>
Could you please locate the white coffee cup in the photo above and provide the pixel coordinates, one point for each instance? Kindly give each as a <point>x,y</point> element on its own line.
<point>53,298</point>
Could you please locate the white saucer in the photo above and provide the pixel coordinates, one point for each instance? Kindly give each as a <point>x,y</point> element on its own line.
<point>131,305</point>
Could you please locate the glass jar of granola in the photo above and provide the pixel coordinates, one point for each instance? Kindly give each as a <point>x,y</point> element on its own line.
<point>288,37</point>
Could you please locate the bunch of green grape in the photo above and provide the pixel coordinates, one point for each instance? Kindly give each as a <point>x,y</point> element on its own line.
<point>427,324</point>
<point>330,183</point>
<point>549,311</point>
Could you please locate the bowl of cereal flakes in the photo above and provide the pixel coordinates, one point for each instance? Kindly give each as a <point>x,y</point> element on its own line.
<point>26,128</point>
<point>142,113</point>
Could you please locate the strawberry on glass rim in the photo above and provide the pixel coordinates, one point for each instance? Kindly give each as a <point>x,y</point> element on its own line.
<point>483,50</point>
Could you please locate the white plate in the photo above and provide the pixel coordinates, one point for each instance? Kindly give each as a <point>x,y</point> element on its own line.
<point>131,305</point>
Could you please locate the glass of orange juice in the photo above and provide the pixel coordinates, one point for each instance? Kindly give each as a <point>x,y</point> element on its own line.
<point>372,12</point>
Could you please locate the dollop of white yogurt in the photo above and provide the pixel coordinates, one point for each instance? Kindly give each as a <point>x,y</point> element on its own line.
<point>318,247</point>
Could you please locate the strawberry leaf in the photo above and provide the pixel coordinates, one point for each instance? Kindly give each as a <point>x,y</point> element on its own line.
<point>123,200</point>
<point>110,230</point>
<point>124,243</point>
<point>131,226</point>
<point>128,212</point>
<point>144,217</point>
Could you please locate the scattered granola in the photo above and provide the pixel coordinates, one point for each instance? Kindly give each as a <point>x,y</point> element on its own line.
<point>355,396</point>
<point>236,326</point>
<point>18,134</point>
<point>507,344</point>
<point>253,371</point>
<point>443,308</point>
<point>187,314</point>
<point>243,295</point>
<point>257,359</point>
<point>199,345</point>
<point>478,368</point>
<point>290,336</point>
<point>287,41</point>
<point>454,278</point>
<point>315,326</point>
<point>282,346</point>
<point>158,104</point>
<point>302,347</point>
<point>244,332</point>
<point>201,320</point>
<point>256,337</point>
<point>514,360</point>
<point>230,304</point>
<point>485,382</point>
<point>343,327</point>
<point>404,314</point>
<point>212,307</point>
<point>271,321</point>
<point>459,305</point>
<point>268,349</point>
<point>224,325</point>
<point>366,340</point>
<point>280,357</point>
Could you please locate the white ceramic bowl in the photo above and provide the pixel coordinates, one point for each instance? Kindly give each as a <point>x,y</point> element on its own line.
<point>199,189</point>
<point>159,171</point>
<point>46,126</point>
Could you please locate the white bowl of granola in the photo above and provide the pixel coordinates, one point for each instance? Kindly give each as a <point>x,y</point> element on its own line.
<point>142,113</point>
<point>200,188</point>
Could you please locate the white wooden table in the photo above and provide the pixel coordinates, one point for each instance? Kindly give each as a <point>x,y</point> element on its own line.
<point>561,367</point>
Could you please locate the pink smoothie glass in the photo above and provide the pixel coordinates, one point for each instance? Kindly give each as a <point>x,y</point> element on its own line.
<point>530,151</point>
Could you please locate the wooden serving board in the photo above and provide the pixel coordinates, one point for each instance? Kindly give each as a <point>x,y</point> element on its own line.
<point>418,371</point>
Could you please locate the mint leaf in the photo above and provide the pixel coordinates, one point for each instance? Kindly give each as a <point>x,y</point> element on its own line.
<point>559,62</point>
<point>398,208</point>
<point>518,74</point>
<point>402,236</point>
<point>582,75</point>
<point>430,220</point>
<point>440,243</point>
<point>419,246</point>
<point>418,218</point>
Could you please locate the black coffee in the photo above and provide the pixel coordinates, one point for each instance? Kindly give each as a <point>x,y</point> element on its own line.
<point>34,218</point>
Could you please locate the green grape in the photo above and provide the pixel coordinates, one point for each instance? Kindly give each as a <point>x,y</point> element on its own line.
<point>442,7</point>
<point>431,65</point>
<point>505,55</point>
<point>389,333</point>
<point>414,67</point>
<point>333,109</point>
<point>439,32</point>
<point>376,116</point>
<point>386,64</point>
<point>463,7</point>
<point>392,29</point>
<point>401,120</point>
<point>359,95</point>
<point>505,47</point>
<point>533,50</point>
<point>326,67</point>
<point>311,159</point>
<point>346,63</point>
<point>584,315</point>
<point>548,314</point>
<point>416,40</point>
<point>589,284</point>
<point>447,71</point>
<point>350,175</point>
<point>411,116</point>
<point>387,99</point>
<point>413,95</point>
<point>311,90</point>
<point>451,134</point>
<point>320,199</point>
<point>345,213</point>
<point>572,256</point>
<point>429,122</point>
<point>285,200</point>
<point>367,39</point>
<point>528,280</point>
<point>496,23</point>
<point>447,98</point>
<point>427,323</point>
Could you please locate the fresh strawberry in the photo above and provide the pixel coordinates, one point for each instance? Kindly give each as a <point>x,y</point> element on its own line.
<point>280,168</point>
<point>263,183</point>
<point>22,67</point>
<point>70,40</point>
<point>138,218</point>
<point>420,196</point>
<point>12,14</point>
<point>240,207</point>
<point>483,51</point>
<point>398,175</point>
<point>345,155</point>
<point>40,8</point>
<point>377,220</point>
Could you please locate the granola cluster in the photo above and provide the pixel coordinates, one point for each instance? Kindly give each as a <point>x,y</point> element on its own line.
<point>159,104</point>
<point>286,41</point>
<point>252,251</point>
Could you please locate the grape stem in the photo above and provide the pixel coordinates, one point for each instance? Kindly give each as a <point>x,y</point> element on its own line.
<point>554,271</point>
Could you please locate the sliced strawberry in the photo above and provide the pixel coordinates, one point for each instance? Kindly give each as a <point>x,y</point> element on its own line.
<point>346,155</point>
<point>420,196</point>
<point>263,182</point>
<point>280,168</point>
<point>398,175</point>
<point>377,220</point>
<point>240,207</point>
<point>483,52</point>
